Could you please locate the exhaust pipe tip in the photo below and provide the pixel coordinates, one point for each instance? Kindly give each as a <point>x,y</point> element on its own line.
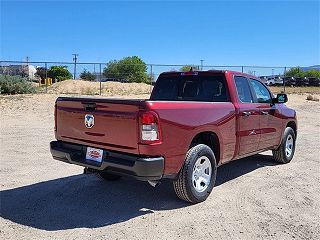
<point>154,183</point>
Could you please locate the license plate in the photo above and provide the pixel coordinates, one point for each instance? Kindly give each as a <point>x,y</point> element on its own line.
<point>94,154</point>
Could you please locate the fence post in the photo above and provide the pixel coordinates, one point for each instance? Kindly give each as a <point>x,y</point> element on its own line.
<point>151,77</point>
<point>46,67</point>
<point>242,69</point>
<point>100,78</point>
<point>284,79</point>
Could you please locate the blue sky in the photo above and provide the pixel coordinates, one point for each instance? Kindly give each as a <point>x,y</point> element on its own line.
<point>272,33</point>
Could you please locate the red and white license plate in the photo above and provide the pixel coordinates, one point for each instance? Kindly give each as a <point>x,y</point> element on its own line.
<point>94,154</point>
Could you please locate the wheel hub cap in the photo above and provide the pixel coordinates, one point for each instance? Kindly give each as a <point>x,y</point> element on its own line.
<point>289,145</point>
<point>201,174</point>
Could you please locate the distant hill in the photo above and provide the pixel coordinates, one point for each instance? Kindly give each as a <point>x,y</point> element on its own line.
<point>316,67</point>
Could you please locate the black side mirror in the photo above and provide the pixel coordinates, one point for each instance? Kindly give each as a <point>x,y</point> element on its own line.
<point>281,98</point>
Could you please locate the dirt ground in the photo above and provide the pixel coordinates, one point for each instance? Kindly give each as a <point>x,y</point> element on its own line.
<point>93,88</point>
<point>254,198</point>
<point>295,90</point>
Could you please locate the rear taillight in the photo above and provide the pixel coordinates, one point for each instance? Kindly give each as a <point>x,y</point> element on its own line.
<point>55,116</point>
<point>149,128</point>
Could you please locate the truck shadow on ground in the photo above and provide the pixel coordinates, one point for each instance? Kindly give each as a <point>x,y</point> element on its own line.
<point>83,201</point>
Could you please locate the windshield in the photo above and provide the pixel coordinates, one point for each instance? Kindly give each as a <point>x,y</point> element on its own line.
<point>191,88</point>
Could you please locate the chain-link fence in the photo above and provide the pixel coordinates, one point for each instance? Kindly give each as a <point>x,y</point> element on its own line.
<point>41,74</point>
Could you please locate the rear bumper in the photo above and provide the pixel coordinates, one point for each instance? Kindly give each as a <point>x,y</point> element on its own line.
<point>139,167</point>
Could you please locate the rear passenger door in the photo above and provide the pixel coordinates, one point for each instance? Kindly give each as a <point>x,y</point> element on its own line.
<point>248,118</point>
<point>270,120</point>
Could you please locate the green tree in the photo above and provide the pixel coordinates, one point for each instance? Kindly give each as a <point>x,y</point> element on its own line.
<point>132,69</point>
<point>59,73</point>
<point>312,73</point>
<point>186,68</point>
<point>293,72</point>
<point>87,76</point>
<point>41,72</point>
<point>297,72</point>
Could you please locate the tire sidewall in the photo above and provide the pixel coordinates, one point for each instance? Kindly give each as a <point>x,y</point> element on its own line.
<point>192,156</point>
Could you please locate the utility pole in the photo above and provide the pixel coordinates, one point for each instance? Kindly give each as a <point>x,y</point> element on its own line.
<point>201,60</point>
<point>284,79</point>
<point>27,59</point>
<point>75,57</point>
<point>100,78</point>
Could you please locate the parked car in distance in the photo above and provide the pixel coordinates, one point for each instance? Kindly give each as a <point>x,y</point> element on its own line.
<point>302,81</point>
<point>290,81</point>
<point>306,81</point>
<point>270,81</point>
<point>278,81</point>
<point>263,79</point>
<point>193,123</point>
<point>314,82</point>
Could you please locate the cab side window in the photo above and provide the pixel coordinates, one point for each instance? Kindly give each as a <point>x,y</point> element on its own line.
<point>243,89</point>
<point>261,92</point>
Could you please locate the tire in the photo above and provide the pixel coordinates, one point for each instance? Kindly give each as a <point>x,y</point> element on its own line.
<point>285,151</point>
<point>108,176</point>
<point>197,176</point>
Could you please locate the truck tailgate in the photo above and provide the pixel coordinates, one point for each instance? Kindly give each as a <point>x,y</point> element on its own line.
<point>114,125</point>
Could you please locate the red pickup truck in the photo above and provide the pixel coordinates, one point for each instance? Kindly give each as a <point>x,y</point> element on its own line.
<point>193,122</point>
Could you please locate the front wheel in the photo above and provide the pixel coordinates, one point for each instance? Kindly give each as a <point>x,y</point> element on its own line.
<point>197,176</point>
<point>285,151</point>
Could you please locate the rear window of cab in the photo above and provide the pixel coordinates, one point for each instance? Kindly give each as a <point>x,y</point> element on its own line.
<point>203,88</point>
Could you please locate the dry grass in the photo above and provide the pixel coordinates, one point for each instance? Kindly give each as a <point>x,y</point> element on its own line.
<point>296,90</point>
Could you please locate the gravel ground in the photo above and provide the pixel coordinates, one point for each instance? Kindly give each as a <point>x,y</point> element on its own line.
<point>254,198</point>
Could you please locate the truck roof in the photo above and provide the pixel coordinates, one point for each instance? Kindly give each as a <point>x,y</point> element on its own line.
<point>195,72</point>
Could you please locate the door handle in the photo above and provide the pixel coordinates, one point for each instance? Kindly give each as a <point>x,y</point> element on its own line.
<point>247,114</point>
<point>264,113</point>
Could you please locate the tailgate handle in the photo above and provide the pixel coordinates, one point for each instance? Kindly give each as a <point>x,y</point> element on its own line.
<point>89,106</point>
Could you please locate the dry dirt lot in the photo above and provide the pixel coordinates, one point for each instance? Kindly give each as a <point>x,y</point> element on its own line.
<point>254,198</point>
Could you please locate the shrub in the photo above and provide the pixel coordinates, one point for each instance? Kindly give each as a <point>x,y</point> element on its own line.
<point>15,85</point>
<point>187,68</point>
<point>312,98</point>
<point>59,73</point>
<point>87,76</point>
<point>132,69</point>
<point>297,72</point>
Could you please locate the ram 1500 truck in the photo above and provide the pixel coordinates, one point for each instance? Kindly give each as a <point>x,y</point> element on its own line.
<point>193,122</point>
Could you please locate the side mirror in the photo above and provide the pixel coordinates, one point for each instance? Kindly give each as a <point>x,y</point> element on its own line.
<point>281,98</point>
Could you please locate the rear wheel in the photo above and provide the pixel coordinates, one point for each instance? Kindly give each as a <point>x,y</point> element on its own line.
<point>285,151</point>
<point>108,176</point>
<point>197,177</point>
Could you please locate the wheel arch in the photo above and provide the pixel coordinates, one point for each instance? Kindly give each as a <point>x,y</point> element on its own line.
<point>293,125</point>
<point>210,139</point>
